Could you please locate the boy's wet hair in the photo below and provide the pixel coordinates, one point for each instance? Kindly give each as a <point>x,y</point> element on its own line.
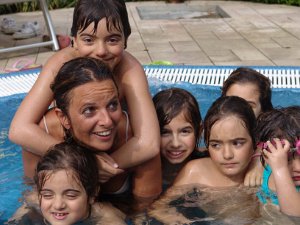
<point>69,156</point>
<point>230,106</point>
<point>74,73</point>
<point>243,75</point>
<point>171,102</point>
<point>87,12</point>
<point>282,123</point>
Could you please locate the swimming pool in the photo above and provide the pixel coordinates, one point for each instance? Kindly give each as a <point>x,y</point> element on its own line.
<point>11,184</point>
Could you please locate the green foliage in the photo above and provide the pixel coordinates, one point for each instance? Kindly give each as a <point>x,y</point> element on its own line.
<point>286,2</point>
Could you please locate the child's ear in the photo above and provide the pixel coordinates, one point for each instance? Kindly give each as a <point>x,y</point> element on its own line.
<point>64,120</point>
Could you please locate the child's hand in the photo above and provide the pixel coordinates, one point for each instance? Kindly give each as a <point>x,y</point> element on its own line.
<point>276,155</point>
<point>253,176</point>
<point>108,168</point>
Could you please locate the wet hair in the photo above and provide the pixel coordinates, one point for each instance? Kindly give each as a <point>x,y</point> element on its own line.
<point>230,106</point>
<point>75,73</point>
<point>87,12</point>
<point>70,157</point>
<point>171,102</point>
<point>282,123</point>
<point>243,75</point>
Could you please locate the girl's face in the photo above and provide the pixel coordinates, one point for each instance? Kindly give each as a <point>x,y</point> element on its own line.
<point>177,140</point>
<point>230,147</point>
<point>94,113</point>
<point>62,200</point>
<point>294,166</point>
<point>108,46</point>
<point>249,92</point>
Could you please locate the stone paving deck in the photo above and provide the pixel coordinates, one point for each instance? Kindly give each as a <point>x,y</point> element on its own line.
<point>253,34</point>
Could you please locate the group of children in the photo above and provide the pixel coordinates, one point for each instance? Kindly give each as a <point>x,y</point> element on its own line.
<point>153,143</point>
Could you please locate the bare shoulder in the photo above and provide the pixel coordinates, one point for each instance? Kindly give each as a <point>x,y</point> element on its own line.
<point>107,214</point>
<point>191,172</point>
<point>129,65</point>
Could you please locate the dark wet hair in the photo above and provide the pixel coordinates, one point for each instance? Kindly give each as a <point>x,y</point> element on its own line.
<point>74,73</point>
<point>244,75</point>
<point>227,106</point>
<point>283,123</point>
<point>171,102</point>
<point>87,12</point>
<point>69,156</point>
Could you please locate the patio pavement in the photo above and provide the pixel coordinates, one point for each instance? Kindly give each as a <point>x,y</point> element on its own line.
<point>253,34</point>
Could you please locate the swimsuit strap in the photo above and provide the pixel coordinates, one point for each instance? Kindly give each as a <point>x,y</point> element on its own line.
<point>127,125</point>
<point>45,124</point>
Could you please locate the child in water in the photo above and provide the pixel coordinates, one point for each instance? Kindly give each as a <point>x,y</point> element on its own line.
<point>229,137</point>
<point>181,128</point>
<point>67,185</point>
<point>100,30</point>
<point>255,88</point>
<point>278,136</point>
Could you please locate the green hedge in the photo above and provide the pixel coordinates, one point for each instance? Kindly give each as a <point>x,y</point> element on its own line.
<point>56,4</point>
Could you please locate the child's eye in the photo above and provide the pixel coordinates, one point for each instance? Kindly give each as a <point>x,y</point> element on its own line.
<point>214,145</point>
<point>238,143</point>
<point>114,39</point>
<point>187,131</point>
<point>165,132</point>
<point>87,40</point>
<point>47,195</point>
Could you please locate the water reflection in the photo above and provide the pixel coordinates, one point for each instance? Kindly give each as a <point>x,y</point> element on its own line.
<point>202,205</point>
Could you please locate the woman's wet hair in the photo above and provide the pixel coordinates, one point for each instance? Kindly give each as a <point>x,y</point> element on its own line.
<point>70,157</point>
<point>243,75</point>
<point>282,123</point>
<point>230,106</point>
<point>171,102</point>
<point>75,73</point>
<point>87,12</point>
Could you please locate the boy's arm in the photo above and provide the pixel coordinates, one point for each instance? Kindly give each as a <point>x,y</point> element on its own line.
<point>145,142</point>
<point>147,183</point>
<point>253,176</point>
<point>24,129</point>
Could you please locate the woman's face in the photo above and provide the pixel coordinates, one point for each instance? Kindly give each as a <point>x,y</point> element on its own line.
<point>177,140</point>
<point>94,113</point>
<point>62,200</point>
<point>108,46</point>
<point>230,147</point>
<point>249,92</point>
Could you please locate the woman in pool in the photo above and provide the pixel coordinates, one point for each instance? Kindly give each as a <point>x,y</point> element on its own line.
<point>278,135</point>
<point>89,110</point>
<point>100,30</point>
<point>255,88</point>
<point>229,137</point>
<point>180,128</point>
<point>67,186</point>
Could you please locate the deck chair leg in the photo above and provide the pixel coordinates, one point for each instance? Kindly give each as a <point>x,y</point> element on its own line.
<point>49,24</point>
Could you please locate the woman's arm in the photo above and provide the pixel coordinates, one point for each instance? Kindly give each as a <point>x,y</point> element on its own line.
<point>24,129</point>
<point>145,142</point>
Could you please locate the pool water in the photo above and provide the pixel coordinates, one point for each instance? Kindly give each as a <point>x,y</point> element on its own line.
<point>11,182</point>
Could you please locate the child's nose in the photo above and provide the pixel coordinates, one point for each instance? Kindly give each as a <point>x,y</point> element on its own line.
<point>59,203</point>
<point>175,141</point>
<point>227,152</point>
